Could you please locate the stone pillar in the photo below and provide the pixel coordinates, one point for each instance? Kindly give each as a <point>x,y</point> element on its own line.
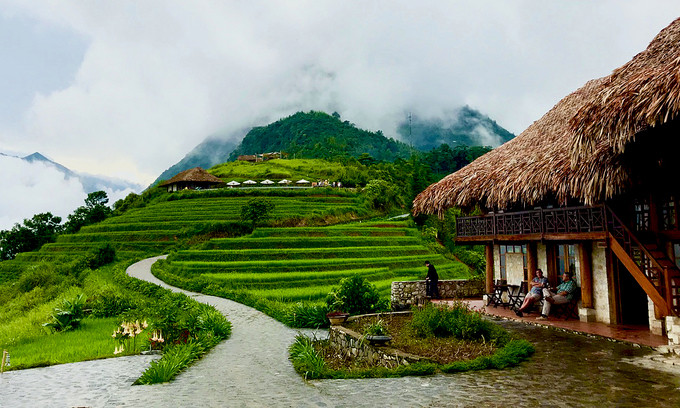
<point>488,251</point>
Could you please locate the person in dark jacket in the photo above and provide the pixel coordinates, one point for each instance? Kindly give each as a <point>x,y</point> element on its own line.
<point>431,281</point>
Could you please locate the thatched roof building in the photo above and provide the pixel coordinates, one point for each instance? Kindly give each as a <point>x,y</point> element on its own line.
<point>579,150</point>
<point>191,179</point>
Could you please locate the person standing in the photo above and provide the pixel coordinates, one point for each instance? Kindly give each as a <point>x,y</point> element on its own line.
<point>431,282</point>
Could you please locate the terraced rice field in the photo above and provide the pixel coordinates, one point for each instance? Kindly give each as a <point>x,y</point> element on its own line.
<point>303,264</point>
<point>157,229</point>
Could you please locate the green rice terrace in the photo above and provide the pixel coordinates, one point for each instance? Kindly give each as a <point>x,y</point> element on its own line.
<point>303,264</point>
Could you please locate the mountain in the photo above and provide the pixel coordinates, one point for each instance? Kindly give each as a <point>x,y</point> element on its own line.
<point>213,150</point>
<point>90,182</point>
<point>318,135</point>
<point>464,126</point>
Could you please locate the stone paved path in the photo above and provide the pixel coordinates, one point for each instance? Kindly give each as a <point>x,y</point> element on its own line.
<point>251,369</point>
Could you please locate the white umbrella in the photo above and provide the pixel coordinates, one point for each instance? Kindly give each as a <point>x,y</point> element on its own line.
<point>284,181</point>
<point>267,182</point>
<point>233,183</point>
<point>303,181</point>
<point>250,182</point>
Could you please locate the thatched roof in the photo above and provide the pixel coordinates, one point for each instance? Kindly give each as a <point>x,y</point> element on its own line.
<point>196,174</point>
<point>573,151</point>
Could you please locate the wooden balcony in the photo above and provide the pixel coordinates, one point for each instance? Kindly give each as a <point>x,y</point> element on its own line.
<point>580,223</point>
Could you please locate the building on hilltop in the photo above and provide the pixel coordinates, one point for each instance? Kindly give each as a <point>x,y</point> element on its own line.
<point>192,179</point>
<point>260,157</point>
<point>591,188</point>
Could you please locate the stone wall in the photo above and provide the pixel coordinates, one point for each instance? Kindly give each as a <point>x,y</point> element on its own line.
<point>408,293</point>
<point>673,332</point>
<point>351,344</point>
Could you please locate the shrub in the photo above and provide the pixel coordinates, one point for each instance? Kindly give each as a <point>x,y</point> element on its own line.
<point>457,321</point>
<point>212,321</point>
<point>68,315</point>
<point>34,277</point>
<point>110,302</point>
<point>103,255</point>
<point>356,296</point>
<point>173,361</point>
<point>306,360</point>
<point>306,315</point>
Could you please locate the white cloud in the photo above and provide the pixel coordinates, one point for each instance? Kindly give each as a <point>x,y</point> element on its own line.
<point>32,188</point>
<point>159,76</point>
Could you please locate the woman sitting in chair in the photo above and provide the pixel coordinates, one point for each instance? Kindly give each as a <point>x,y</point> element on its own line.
<point>536,293</point>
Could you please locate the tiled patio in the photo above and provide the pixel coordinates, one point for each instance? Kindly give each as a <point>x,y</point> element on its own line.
<point>631,334</point>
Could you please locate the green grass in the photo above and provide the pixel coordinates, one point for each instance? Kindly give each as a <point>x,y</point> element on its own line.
<point>90,341</point>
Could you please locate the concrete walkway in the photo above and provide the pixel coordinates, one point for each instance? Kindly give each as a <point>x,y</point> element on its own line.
<point>251,369</point>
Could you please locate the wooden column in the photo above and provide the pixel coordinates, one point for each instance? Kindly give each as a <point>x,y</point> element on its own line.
<point>532,260</point>
<point>586,261</point>
<point>488,251</point>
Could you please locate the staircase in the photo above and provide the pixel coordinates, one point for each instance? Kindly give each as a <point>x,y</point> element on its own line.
<point>658,276</point>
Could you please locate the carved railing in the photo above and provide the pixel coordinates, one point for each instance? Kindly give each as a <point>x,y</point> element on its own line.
<point>540,221</point>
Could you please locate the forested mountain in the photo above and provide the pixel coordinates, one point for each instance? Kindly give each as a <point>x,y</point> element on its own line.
<point>464,126</point>
<point>319,135</point>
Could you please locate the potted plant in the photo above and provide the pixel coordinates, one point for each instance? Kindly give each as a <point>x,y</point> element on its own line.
<point>376,333</point>
<point>337,317</point>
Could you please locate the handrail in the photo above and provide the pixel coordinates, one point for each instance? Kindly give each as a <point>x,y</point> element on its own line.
<point>632,237</point>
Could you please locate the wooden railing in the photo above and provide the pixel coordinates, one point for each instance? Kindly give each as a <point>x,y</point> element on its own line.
<point>647,263</point>
<point>540,221</point>
<point>654,266</point>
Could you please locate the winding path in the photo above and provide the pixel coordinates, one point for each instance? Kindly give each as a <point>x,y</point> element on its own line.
<point>251,369</point>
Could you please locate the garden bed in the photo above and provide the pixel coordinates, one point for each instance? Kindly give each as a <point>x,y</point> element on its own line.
<point>428,341</point>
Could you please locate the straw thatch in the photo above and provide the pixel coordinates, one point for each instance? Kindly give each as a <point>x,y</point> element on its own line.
<point>641,94</point>
<point>564,156</point>
<point>196,174</point>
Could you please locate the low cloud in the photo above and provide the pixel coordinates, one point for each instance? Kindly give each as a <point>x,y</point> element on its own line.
<point>157,77</point>
<point>37,187</point>
<point>32,188</point>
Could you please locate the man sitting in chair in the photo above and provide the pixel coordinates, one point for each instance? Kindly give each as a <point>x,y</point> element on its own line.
<point>536,293</point>
<point>565,293</point>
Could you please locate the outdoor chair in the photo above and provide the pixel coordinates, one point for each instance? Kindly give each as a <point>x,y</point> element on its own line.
<point>495,297</point>
<point>517,298</point>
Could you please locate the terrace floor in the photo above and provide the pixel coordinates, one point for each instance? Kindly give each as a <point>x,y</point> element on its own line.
<point>627,333</point>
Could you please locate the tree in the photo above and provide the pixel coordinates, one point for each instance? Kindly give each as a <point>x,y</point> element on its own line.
<point>380,194</point>
<point>34,232</point>
<point>94,210</point>
<point>256,210</point>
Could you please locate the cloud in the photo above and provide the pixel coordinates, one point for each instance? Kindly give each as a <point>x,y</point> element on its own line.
<point>32,188</point>
<point>157,77</point>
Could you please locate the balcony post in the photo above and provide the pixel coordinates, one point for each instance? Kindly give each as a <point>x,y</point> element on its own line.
<point>532,260</point>
<point>488,251</point>
<point>586,266</point>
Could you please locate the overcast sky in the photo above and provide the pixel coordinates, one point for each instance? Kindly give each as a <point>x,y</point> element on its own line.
<point>127,88</point>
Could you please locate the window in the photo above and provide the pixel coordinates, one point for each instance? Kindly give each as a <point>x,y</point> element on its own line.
<point>565,257</point>
<point>512,249</point>
<point>641,215</point>
<point>503,249</point>
<point>668,215</point>
<point>676,253</point>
